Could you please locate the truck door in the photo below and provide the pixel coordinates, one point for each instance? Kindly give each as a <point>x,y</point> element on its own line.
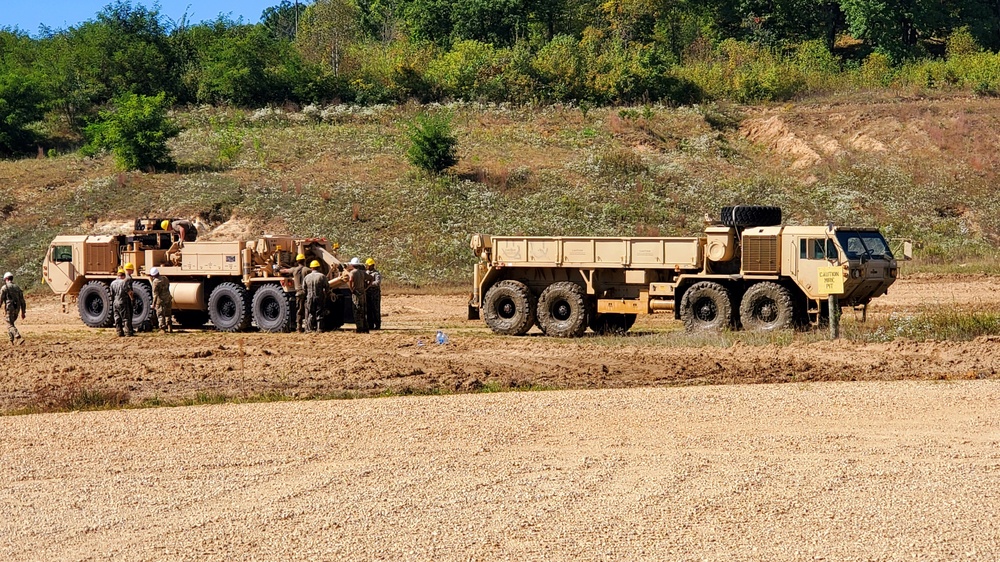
<point>61,269</point>
<point>813,253</point>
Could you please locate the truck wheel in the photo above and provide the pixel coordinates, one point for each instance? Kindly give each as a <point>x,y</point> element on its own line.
<point>562,311</point>
<point>273,309</point>
<point>751,215</point>
<point>191,318</point>
<point>229,308</point>
<point>767,306</point>
<point>706,306</point>
<point>612,324</point>
<point>94,304</point>
<point>509,308</point>
<point>142,307</point>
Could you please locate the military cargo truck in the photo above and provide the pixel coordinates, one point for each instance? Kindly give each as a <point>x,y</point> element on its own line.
<point>746,272</point>
<point>234,284</point>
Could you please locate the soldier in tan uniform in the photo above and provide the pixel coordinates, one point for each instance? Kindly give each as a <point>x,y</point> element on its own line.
<point>12,299</point>
<point>162,301</point>
<point>317,286</point>
<point>299,273</point>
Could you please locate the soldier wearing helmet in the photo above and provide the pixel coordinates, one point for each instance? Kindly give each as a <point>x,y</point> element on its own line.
<point>121,304</point>
<point>298,274</point>
<point>374,295</point>
<point>358,281</point>
<point>12,299</point>
<point>185,230</point>
<point>317,287</point>
<point>162,300</point>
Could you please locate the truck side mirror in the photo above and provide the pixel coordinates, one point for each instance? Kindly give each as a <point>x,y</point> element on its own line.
<point>907,250</point>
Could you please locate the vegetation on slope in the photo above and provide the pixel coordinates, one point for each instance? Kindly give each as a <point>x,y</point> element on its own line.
<point>917,168</point>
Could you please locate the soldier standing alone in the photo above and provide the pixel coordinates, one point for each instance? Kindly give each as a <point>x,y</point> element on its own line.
<point>358,282</point>
<point>121,304</point>
<point>12,299</point>
<point>161,299</point>
<point>317,286</point>
<point>374,295</point>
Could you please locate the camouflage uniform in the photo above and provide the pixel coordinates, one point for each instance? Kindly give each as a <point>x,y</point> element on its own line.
<point>374,298</point>
<point>359,287</point>
<point>162,302</point>
<point>12,299</point>
<point>121,303</point>
<point>299,273</point>
<point>316,286</point>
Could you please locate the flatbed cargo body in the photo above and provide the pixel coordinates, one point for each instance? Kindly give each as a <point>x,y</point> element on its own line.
<point>748,276</point>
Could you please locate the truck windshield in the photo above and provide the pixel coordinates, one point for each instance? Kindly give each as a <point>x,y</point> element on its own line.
<point>868,244</point>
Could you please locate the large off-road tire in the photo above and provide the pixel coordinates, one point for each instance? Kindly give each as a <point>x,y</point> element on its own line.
<point>751,215</point>
<point>273,309</point>
<point>706,306</point>
<point>142,307</point>
<point>612,324</point>
<point>562,310</point>
<point>767,306</point>
<point>509,308</point>
<point>94,304</point>
<point>229,308</point>
<point>191,318</point>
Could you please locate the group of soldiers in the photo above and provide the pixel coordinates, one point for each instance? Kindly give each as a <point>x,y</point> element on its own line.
<point>313,291</point>
<point>122,298</point>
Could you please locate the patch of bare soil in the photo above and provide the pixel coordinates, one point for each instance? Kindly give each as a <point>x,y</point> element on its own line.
<point>63,357</point>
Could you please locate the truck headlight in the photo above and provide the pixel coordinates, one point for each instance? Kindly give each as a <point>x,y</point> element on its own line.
<point>893,272</point>
<point>855,274</point>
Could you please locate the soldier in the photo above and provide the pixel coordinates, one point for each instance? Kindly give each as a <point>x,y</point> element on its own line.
<point>121,304</point>
<point>162,300</point>
<point>358,282</point>
<point>298,274</point>
<point>316,286</point>
<point>185,230</point>
<point>12,299</point>
<point>130,306</point>
<point>374,295</point>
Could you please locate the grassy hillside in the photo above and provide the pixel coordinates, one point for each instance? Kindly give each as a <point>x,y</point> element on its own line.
<point>920,168</point>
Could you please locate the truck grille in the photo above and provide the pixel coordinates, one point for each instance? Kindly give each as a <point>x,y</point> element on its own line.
<point>760,254</point>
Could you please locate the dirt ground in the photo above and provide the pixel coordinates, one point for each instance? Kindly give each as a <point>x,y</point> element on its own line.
<point>62,357</point>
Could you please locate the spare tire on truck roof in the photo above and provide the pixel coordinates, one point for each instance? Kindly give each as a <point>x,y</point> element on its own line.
<point>751,215</point>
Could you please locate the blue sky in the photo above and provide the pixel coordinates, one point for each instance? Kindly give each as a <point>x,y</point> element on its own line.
<point>59,14</point>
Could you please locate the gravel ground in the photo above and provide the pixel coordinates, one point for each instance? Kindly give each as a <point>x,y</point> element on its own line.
<point>836,471</point>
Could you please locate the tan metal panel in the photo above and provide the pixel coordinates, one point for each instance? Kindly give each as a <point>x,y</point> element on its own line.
<point>543,252</point>
<point>578,251</point>
<point>682,252</point>
<point>511,250</point>
<point>611,251</point>
<point>647,252</point>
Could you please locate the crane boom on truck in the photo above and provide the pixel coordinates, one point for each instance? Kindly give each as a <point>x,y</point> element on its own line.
<point>747,271</point>
<point>235,284</point>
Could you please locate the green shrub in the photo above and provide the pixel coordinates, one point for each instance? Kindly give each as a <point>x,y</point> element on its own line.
<point>432,144</point>
<point>471,71</point>
<point>136,131</point>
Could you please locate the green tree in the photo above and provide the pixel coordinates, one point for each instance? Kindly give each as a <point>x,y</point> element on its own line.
<point>21,103</point>
<point>894,27</point>
<point>282,21</point>
<point>136,130</point>
<point>326,30</point>
<point>432,144</point>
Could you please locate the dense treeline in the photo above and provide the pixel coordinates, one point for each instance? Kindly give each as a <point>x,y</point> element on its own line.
<point>55,82</point>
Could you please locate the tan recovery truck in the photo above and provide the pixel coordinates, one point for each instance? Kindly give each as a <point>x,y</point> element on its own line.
<point>747,271</point>
<point>232,283</point>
